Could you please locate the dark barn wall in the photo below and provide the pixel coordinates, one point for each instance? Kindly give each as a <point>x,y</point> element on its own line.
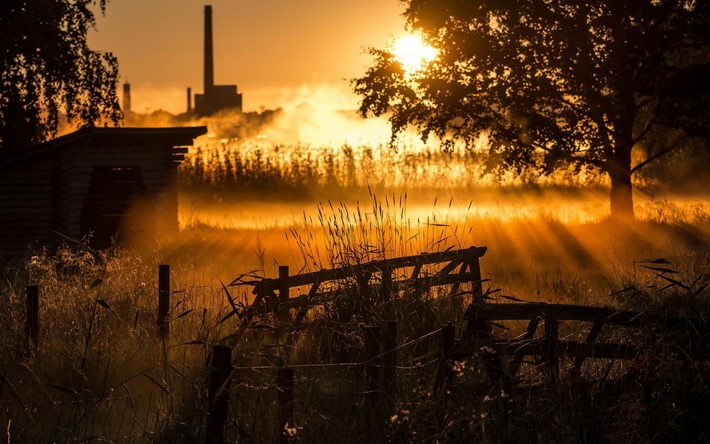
<point>26,206</point>
<point>133,175</point>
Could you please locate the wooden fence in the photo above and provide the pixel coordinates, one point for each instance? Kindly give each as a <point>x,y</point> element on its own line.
<point>360,286</point>
<point>366,291</point>
<point>547,346</point>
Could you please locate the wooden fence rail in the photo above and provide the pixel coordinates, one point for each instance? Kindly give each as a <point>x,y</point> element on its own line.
<point>367,282</point>
<point>455,258</point>
<point>547,346</point>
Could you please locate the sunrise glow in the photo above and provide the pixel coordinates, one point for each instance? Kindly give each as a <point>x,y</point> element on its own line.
<point>413,53</point>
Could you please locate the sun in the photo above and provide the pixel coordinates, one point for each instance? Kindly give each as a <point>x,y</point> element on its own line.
<point>412,53</point>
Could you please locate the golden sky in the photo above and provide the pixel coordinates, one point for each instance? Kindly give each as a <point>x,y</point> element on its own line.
<point>276,51</point>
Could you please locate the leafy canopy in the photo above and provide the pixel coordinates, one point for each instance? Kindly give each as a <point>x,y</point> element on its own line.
<point>551,82</point>
<point>47,69</point>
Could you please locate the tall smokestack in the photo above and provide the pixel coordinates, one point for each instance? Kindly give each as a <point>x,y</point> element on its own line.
<point>126,99</point>
<point>209,60</point>
<point>189,100</point>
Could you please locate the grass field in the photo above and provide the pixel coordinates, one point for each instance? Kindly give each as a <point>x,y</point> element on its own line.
<point>101,373</point>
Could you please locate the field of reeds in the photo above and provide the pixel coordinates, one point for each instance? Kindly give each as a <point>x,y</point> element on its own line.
<point>100,371</point>
<point>229,167</point>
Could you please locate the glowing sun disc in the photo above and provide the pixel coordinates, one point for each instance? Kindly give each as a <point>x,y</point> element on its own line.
<point>412,53</point>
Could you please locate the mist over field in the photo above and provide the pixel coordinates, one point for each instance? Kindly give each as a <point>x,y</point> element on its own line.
<point>248,199</point>
<point>266,172</point>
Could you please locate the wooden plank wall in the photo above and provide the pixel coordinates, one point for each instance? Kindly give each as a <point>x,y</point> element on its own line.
<point>42,193</point>
<point>154,162</point>
<point>25,206</point>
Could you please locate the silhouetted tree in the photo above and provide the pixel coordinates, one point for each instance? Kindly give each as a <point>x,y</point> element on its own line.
<point>554,82</point>
<point>47,69</point>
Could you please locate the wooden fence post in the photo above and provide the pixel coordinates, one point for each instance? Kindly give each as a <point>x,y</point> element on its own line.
<point>284,385</point>
<point>163,299</point>
<point>386,290</point>
<point>283,311</point>
<point>218,393</point>
<point>32,314</point>
<point>476,286</point>
<point>283,283</point>
<point>362,304</point>
<point>373,398</point>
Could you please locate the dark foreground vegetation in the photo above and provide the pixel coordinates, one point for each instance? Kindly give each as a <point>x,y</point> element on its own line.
<point>100,370</point>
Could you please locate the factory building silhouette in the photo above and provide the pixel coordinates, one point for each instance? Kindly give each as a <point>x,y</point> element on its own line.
<point>214,98</point>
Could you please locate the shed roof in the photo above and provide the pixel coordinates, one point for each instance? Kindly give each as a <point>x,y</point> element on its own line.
<point>102,137</point>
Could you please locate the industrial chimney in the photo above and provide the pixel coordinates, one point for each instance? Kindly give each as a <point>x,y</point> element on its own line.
<point>214,98</point>
<point>209,51</point>
<point>189,100</point>
<point>126,99</point>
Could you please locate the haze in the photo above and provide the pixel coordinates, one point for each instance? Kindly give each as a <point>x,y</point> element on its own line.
<point>276,51</point>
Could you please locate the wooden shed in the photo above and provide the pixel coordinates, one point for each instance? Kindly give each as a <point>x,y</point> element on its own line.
<point>106,182</point>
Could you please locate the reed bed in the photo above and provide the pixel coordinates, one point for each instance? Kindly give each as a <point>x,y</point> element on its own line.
<point>306,170</point>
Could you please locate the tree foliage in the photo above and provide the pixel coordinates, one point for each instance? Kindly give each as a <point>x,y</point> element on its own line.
<point>48,70</point>
<point>554,82</point>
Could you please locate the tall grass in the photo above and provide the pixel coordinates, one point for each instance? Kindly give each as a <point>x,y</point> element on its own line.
<point>341,235</point>
<point>570,264</point>
<point>101,371</point>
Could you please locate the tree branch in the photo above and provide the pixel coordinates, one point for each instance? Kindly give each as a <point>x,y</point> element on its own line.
<point>654,157</point>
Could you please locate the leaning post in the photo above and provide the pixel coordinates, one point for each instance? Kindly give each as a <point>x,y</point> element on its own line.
<point>474,267</point>
<point>283,313</point>
<point>283,293</point>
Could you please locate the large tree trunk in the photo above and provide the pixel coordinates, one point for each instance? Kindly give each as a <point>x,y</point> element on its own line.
<point>621,197</point>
